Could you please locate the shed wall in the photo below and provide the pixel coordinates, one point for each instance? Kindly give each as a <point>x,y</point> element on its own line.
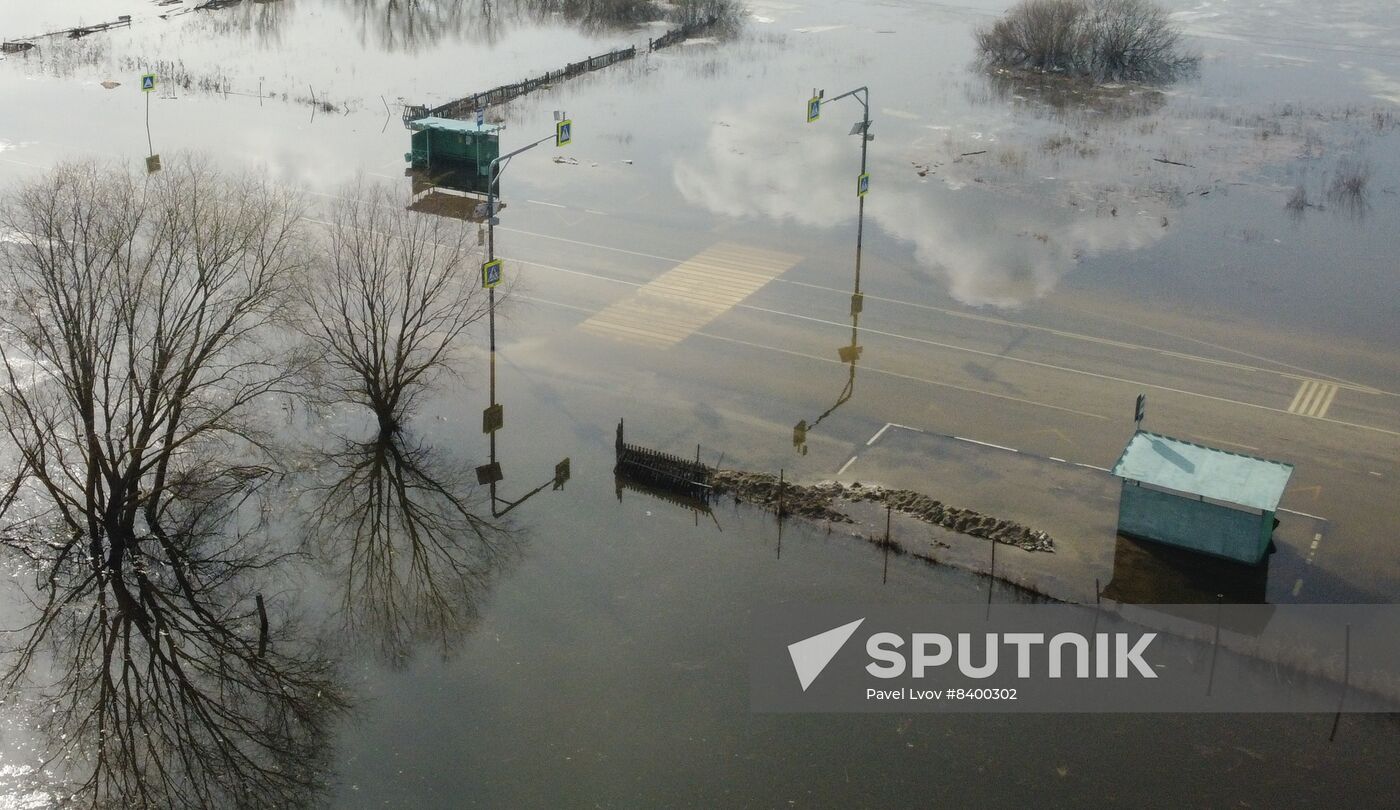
<point>1188,523</point>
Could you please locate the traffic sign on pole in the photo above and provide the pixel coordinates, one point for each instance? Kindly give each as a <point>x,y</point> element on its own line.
<point>480,117</point>
<point>814,108</point>
<point>862,185</point>
<point>148,82</point>
<point>563,132</point>
<point>491,274</point>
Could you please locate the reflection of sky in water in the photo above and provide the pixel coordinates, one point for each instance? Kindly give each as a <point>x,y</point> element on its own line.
<point>989,248</point>
<point>717,131</point>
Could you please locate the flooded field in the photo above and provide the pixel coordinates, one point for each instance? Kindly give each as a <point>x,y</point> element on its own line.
<point>373,621</point>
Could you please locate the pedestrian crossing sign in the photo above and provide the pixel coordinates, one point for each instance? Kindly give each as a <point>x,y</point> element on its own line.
<point>491,274</point>
<point>563,132</point>
<point>814,108</point>
<point>862,185</point>
<point>148,82</point>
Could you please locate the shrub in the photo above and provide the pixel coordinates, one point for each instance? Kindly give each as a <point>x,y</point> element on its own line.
<point>1106,40</point>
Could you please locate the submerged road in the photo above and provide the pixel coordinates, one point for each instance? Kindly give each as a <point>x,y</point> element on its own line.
<point>735,337</point>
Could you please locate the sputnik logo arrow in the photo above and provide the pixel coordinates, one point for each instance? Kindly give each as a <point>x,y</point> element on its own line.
<point>811,655</point>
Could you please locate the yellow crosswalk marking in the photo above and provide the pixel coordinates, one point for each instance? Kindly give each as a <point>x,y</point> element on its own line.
<point>686,298</point>
<point>1313,399</point>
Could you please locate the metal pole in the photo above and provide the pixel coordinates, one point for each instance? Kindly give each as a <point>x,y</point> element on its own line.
<point>150,150</point>
<point>1215,645</point>
<point>886,578</point>
<point>864,141</point>
<point>1346,683</point>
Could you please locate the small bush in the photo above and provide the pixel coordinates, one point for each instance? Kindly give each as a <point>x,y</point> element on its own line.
<point>1105,40</point>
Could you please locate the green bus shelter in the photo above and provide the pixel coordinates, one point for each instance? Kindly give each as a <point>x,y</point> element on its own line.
<point>1199,498</point>
<point>459,152</point>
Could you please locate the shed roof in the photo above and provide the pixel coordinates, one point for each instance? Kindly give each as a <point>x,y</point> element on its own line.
<point>451,125</point>
<point>1195,469</point>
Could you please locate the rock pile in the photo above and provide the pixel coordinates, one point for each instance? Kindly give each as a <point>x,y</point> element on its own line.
<point>820,501</point>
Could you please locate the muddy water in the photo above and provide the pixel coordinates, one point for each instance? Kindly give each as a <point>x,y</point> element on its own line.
<point>607,667</point>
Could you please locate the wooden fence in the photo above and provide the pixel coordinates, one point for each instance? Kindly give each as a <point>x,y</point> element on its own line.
<point>681,34</point>
<point>661,471</point>
<point>467,106</point>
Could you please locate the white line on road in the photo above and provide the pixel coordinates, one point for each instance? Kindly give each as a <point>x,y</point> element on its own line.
<point>1303,514</point>
<point>542,202</point>
<point>987,444</point>
<point>896,374</point>
<point>844,467</point>
<point>880,433</point>
<point>1297,586</point>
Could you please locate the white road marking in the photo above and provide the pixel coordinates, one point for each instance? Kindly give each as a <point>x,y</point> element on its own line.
<point>902,376</point>
<point>689,296</point>
<point>550,204</point>
<point>1297,586</point>
<point>1303,514</point>
<point>877,436</point>
<point>1313,399</point>
<point>987,444</point>
<point>845,466</point>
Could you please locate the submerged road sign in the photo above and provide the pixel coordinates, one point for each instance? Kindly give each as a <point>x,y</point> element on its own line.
<point>491,273</point>
<point>814,108</point>
<point>148,82</point>
<point>563,132</point>
<point>862,185</point>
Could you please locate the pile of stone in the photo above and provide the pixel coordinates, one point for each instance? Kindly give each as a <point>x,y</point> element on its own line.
<point>821,501</point>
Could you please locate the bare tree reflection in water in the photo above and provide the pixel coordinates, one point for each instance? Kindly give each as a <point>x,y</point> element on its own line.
<point>410,25</point>
<point>135,374</point>
<point>1071,99</point>
<point>396,294</point>
<point>398,527</point>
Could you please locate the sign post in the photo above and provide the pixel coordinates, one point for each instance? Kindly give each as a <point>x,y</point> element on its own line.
<point>563,132</point>
<point>148,86</point>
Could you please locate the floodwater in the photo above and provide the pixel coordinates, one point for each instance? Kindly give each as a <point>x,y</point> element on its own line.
<point>598,655</point>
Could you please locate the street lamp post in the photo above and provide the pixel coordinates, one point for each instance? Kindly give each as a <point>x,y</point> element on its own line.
<point>849,354</point>
<point>493,417</point>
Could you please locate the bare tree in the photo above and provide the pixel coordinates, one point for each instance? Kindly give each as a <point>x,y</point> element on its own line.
<point>399,528</point>
<point>1105,40</point>
<point>141,337</point>
<point>396,291</point>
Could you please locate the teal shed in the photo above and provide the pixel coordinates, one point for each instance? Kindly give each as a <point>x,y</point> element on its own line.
<point>1199,498</point>
<point>457,154</point>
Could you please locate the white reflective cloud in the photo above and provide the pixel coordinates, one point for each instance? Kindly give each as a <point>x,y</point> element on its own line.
<point>990,244</point>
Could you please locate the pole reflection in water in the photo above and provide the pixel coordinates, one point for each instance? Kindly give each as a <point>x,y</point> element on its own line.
<point>493,418</point>
<point>398,526</point>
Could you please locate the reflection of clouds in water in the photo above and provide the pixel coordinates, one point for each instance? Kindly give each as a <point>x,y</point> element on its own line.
<point>992,248</point>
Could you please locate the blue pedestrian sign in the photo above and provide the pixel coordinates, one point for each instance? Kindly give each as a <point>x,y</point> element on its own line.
<point>563,132</point>
<point>480,117</point>
<point>862,185</point>
<point>491,274</point>
<point>148,82</point>
<point>814,108</point>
